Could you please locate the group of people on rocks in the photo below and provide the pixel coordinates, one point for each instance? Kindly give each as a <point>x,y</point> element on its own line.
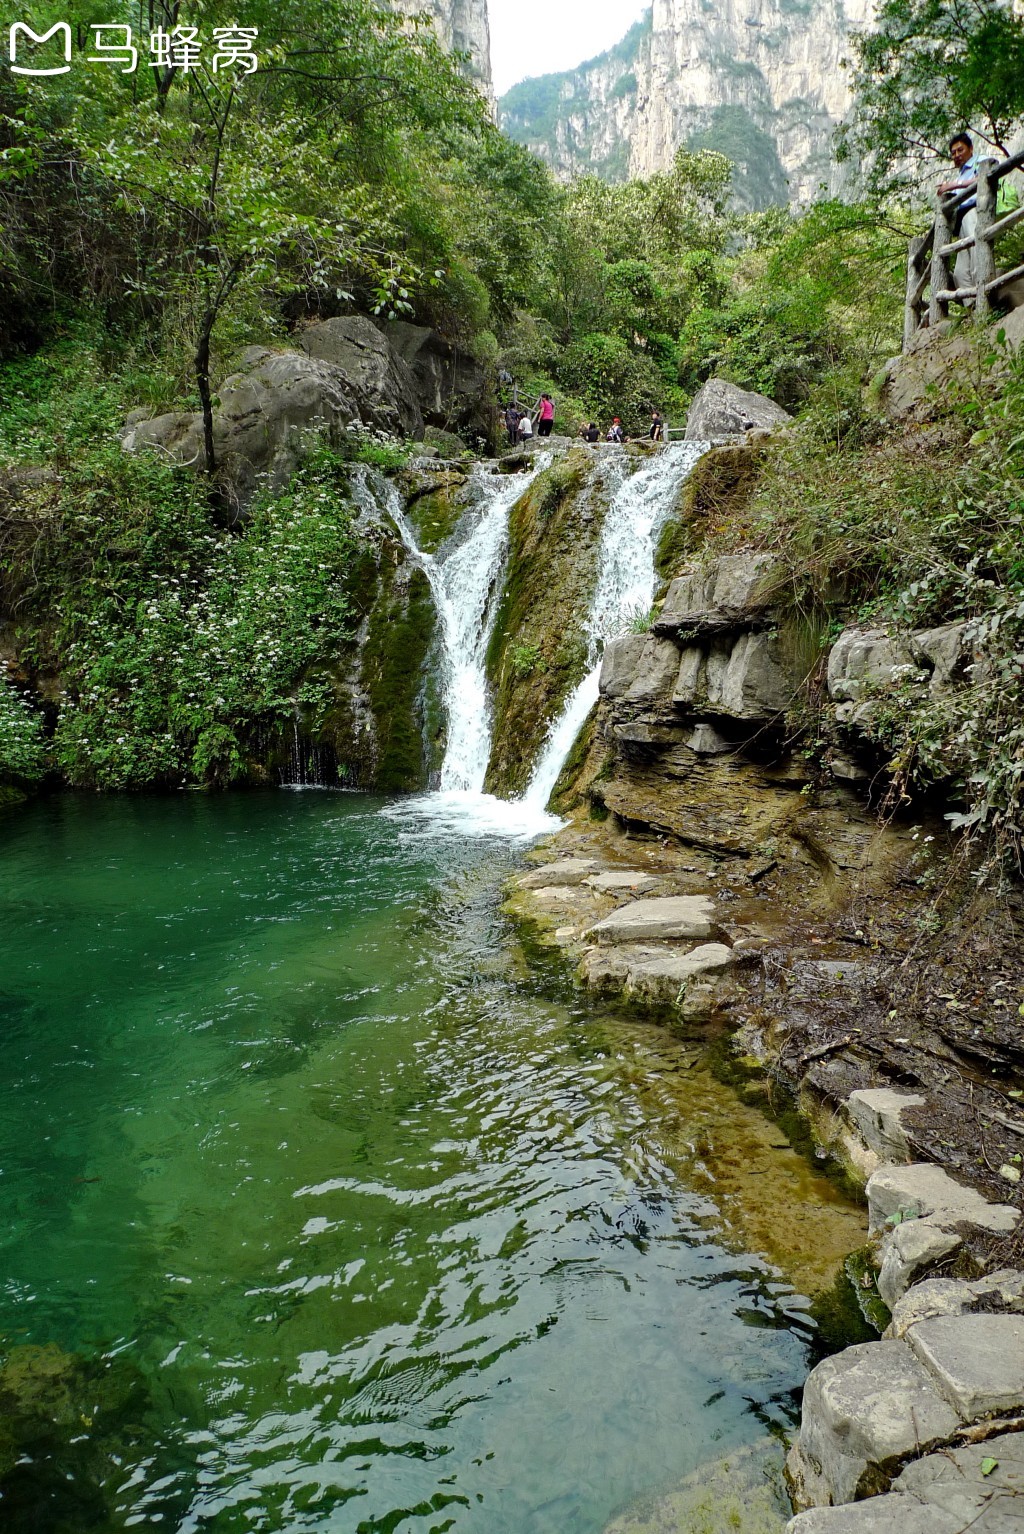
<point>519,424</point>
<point>590,432</point>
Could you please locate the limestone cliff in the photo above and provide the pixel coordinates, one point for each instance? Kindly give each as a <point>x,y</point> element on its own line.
<point>762,80</point>
<point>462,26</point>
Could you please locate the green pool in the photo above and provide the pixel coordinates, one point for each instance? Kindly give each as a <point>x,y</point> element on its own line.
<point>321,1213</point>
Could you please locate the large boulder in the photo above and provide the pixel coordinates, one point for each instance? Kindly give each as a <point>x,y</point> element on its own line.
<point>720,409</point>
<point>451,388</point>
<point>378,378</point>
<point>266,412</point>
<point>263,415</point>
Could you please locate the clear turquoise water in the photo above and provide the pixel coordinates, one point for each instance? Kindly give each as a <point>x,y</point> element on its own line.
<point>389,1232</point>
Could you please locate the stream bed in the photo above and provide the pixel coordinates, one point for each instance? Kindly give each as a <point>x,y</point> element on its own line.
<point>324,1212</point>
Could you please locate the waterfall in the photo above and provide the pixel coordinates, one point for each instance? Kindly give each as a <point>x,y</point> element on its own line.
<point>466,587</point>
<point>624,592</point>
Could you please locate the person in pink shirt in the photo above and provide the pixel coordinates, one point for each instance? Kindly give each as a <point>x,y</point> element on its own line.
<point>545,416</point>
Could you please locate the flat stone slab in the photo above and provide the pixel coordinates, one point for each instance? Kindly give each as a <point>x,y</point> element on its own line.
<point>620,880</point>
<point>877,1116</point>
<point>925,1189</point>
<point>869,1406</point>
<point>565,893</point>
<point>565,871</point>
<point>952,1485</point>
<point>955,1297</point>
<point>669,917</point>
<point>909,1249</point>
<point>878,1515</point>
<point>977,1362</point>
<point>653,974</point>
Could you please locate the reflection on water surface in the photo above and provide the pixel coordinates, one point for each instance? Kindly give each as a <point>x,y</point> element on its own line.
<point>320,1217</point>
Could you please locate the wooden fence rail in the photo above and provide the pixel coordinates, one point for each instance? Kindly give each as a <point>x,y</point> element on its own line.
<point>928,260</point>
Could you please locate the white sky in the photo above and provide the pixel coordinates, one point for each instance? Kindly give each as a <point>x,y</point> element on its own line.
<point>538,37</point>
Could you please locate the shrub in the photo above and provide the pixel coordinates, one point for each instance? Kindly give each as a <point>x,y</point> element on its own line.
<point>22,749</point>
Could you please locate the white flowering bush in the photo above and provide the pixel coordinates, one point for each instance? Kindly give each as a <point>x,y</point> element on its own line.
<point>178,642</point>
<point>22,747</point>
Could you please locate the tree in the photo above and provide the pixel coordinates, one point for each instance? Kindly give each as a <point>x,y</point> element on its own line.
<point>929,69</point>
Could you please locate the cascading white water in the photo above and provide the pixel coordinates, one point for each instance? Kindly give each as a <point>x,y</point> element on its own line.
<point>466,589</point>
<point>625,589</point>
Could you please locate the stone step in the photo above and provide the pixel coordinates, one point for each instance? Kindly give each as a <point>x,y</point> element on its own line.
<point>977,1362</point>
<point>869,1406</point>
<point>565,871</point>
<point>669,917</point>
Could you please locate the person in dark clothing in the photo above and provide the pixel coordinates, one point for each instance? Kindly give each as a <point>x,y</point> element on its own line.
<point>657,427</point>
<point>512,424</point>
<point>590,433</point>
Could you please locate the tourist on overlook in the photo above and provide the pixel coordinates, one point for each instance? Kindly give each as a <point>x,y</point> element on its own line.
<point>657,427</point>
<point>512,424</point>
<point>961,152</point>
<point>589,432</point>
<point>545,416</point>
<point>615,432</point>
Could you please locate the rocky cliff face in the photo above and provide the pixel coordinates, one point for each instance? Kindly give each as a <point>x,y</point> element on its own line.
<point>761,80</point>
<point>462,26</point>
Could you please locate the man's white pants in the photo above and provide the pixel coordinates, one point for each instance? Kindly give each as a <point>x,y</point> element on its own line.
<point>963,270</point>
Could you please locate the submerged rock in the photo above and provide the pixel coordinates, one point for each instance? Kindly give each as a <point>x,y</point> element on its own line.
<point>742,1493</point>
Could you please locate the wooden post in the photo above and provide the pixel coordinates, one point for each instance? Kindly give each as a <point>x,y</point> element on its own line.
<point>984,253</point>
<point>938,309</point>
<point>912,307</point>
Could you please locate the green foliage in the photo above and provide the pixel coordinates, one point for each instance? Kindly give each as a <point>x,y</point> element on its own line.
<point>827,291</point>
<point>176,641</point>
<point>868,526</point>
<point>22,747</point>
<point>611,379</point>
<point>929,69</point>
<point>524,659</point>
<point>759,180</point>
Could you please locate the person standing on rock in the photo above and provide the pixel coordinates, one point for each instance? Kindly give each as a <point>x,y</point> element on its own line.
<point>657,427</point>
<point>545,416</point>
<point>512,425</point>
<point>525,427</point>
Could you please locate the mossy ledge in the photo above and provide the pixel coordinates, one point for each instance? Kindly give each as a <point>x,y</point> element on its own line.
<point>538,650</point>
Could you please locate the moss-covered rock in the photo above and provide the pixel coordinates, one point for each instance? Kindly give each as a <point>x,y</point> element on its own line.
<point>538,649</point>
<point>434,502</point>
<point>719,488</point>
<point>394,658</point>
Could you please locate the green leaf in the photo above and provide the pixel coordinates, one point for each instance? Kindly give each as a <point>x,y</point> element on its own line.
<point>988,1465</point>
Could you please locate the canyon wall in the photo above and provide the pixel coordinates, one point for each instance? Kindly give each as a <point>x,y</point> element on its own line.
<point>462,26</point>
<point>761,80</point>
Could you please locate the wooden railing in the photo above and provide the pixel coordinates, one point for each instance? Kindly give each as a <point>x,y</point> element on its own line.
<point>929,256</point>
